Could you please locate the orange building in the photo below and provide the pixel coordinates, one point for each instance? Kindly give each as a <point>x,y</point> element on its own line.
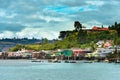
<point>99,29</point>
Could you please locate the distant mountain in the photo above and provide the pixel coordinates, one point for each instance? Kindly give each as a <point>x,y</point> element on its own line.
<point>7,43</point>
<point>19,41</point>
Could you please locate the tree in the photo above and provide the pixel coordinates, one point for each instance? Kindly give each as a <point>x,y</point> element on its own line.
<point>17,47</point>
<point>78,26</point>
<point>93,45</point>
<point>64,34</point>
<point>45,40</point>
<point>116,27</point>
<point>81,37</point>
<point>102,26</point>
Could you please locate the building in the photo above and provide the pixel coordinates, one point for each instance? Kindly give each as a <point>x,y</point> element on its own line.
<point>95,28</point>
<point>99,29</point>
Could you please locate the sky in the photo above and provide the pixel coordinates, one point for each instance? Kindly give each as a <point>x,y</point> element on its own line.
<point>46,18</point>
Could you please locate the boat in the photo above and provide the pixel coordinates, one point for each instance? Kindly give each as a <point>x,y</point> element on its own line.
<point>73,62</point>
<point>54,61</point>
<point>36,61</point>
<point>70,61</point>
<point>117,61</point>
<point>66,61</point>
<point>88,62</point>
<point>57,62</point>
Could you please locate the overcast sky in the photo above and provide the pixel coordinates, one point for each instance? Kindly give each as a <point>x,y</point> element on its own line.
<point>46,18</point>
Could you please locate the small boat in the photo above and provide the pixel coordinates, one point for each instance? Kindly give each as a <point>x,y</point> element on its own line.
<point>57,62</point>
<point>70,61</point>
<point>88,62</point>
<point>54,61</point>
<point>66,61</point>
<point>117,61</point>
<point>36,61</point>
<point>73,62</point>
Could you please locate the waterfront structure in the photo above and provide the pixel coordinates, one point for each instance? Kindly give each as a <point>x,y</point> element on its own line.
<point>102,52</point>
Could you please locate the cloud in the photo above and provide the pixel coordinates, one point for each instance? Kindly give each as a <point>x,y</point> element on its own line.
<point>6,34</point>
<point>2,13</point>
<point>71,10</point>
<point>46,18</point>
<point>30,33</point>
<point>92,23</point>
<point>96,3</point>
<point>11,27</point>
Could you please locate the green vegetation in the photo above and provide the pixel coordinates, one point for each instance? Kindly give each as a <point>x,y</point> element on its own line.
<point>75,38</point>
<point>116,27</point>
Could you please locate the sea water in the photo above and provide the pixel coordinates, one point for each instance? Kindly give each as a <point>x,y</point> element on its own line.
<point>27,70</point>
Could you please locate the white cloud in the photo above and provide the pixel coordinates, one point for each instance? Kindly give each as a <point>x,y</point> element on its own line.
<point>2,13</point>
<point>30,33</point>
<point>97,3</point>
<point>113,2</point>
<point>5,14</point>
<point>37,33</point>
<point>11,16</point>
<point>45,18</point>
<point>6,34</point>
<point>92,23</point>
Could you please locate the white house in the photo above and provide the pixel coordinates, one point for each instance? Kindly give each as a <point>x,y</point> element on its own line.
<point>102,52</point>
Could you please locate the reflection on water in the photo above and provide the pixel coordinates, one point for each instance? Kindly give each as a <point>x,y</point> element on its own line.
<point>27,70</point>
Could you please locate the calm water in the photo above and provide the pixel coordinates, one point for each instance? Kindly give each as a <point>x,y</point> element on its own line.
<point>27,70</point>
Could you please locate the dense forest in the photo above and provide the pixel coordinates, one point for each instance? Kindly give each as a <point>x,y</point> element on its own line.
<point>78,37</point>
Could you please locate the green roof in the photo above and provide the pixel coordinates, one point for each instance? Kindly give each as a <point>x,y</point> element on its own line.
<point>58,53</point>
<point>67,53</point>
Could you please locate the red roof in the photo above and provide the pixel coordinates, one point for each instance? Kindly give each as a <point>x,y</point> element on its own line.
<point>99,28</point>
<point>107,44</point>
